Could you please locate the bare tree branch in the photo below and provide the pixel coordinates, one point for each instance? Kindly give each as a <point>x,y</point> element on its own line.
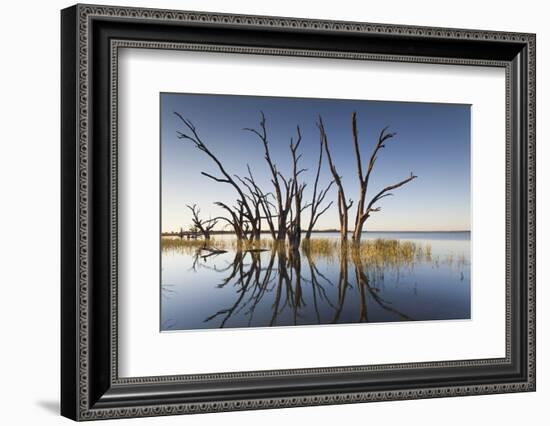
<point>199,144</point>
<point>282,195</point>
<point>317,197</point>
<point>204,226</point>
<point>363,213</point>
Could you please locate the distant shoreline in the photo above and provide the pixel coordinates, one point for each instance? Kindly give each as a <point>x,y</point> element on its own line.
<point>332,231</point>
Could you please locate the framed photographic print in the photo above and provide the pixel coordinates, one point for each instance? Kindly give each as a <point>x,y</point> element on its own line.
<point>263,212</point>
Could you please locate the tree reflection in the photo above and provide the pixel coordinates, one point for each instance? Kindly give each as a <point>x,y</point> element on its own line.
<point>277,284</point>
<point>368,290</point>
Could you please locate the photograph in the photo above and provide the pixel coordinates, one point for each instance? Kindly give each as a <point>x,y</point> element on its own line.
<point>284,211</point>
<point>266,208</point>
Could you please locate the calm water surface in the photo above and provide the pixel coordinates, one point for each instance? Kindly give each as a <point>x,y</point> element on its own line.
<point>262,289</point>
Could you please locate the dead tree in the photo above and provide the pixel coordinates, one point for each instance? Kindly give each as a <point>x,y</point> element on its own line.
<point>318,196</point>
<point>255,203</point>
<point>343,205</point>
<point>282,186</point>
<point>260,203</point>
<point>365,209</point>
<point>266,204</point>
<point>297,194</point>
<point>236,219</point>
<point>204,226</point>
<point>194,137</point>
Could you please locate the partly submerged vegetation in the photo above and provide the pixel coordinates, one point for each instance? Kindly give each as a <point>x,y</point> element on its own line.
<point>378,251</point>
<point>225,244</point>
<point>375,251</point>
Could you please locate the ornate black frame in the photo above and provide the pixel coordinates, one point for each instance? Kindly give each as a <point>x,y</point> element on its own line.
<point>90,386</point>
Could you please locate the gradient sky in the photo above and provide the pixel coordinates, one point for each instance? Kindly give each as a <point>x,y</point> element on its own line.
<point>432,141</point>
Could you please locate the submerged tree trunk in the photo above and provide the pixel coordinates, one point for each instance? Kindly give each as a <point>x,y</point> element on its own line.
<point>343,212</point>
<point>343,205</point>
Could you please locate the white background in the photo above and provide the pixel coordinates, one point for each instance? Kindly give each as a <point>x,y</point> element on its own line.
<point>29,179</point>
<point>146,352</point>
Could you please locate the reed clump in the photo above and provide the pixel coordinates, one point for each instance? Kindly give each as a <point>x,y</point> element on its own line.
<point>185,246</point>
<point>322,247</point>
<point>378,252</point>
<point>372,252</point>
<point>383,252</point>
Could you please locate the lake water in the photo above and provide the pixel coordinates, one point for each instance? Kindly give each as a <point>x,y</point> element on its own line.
<point>206,290</point>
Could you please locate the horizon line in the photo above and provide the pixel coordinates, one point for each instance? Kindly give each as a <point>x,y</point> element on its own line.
<point>332,230</point>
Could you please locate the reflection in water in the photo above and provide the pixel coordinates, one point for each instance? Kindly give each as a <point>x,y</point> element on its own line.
<point>225,285</point>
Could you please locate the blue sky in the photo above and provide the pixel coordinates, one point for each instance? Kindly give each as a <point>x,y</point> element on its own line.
<point>432,141</point>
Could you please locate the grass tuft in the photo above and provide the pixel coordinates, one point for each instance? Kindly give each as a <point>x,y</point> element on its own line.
<point>377,252</point>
